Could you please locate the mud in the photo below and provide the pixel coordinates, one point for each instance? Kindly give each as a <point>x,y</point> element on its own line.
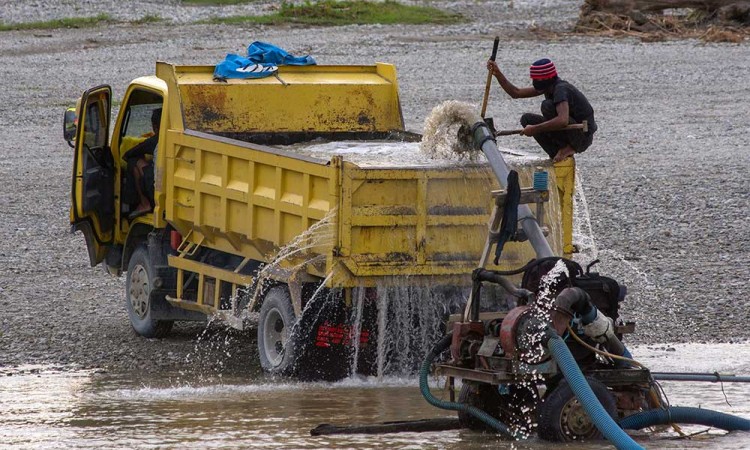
<point>666,178</point>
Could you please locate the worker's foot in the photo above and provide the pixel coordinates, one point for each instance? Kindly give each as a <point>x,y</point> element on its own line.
<point>563,153</point>
<point>136,214</point>
<point>140,210</point>
<point>569,249</point>
<point>144,205</point>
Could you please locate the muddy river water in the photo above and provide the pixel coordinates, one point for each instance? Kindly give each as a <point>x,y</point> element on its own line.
<point>45,407</point>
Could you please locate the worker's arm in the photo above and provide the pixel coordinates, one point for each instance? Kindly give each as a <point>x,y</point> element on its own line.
<point>144,148</point>
<point>555,123</point>
<point>510,88</point>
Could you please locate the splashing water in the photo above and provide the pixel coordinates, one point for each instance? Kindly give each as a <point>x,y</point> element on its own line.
<point>410,320</point>
<point>642,290</point>
<point>441,138</point>
<point>300,251</point>
<point>358,311</point>
<point>542,311</point>
<point>293,256</point>
<point>583,234</point>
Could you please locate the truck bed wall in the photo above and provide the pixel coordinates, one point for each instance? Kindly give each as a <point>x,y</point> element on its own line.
<point>429,224</point>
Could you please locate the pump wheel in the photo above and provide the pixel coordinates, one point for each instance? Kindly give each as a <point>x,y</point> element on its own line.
<point>515,407</point>
<point>276,348</point>
<point>140,298</point>
<point>482,396</point>
<point>561,416</point>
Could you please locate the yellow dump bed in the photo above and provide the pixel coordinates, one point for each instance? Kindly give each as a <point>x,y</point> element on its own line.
<point>226,191</point>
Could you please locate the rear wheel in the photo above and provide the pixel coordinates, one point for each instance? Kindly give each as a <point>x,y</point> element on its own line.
<point>311,347</point>
<point>276,349</point>
<point>563,418</point>
<point>141,299</point>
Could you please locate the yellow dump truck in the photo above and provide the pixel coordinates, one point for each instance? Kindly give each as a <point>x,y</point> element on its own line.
<point>241,228</point>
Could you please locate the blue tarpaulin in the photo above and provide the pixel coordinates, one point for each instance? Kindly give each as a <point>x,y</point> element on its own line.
<point>262,60</point>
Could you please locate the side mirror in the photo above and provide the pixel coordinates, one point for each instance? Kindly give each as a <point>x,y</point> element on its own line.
<point>70,125</point>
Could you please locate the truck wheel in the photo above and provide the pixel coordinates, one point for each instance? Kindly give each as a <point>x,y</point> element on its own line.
<point>140,299</point>
<point>562,417</point>
<point>276,349</point>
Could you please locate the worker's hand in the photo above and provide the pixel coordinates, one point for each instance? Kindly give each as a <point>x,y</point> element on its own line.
<point>493,68</point>
<point>528,130</point>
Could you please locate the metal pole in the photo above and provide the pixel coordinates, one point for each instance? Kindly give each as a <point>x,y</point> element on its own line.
<point>483,137</point>
<point>712,377</point>
<point>485,140</point>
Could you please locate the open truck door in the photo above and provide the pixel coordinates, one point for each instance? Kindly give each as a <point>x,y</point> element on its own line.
<point>92,210</point>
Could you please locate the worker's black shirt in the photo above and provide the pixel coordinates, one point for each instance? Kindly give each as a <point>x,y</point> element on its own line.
<point>579,107</point>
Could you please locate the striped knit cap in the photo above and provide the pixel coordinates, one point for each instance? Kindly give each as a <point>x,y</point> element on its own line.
<point>542,70</point>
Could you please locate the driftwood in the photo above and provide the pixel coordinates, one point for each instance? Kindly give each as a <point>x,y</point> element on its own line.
<point>625,6</point>
<point>708,20</point>
<point>414,426</point>
<point>723,10</point>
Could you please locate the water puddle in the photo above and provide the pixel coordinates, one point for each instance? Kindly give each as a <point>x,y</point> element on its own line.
<point>44,407</point>
<point>53,407</point>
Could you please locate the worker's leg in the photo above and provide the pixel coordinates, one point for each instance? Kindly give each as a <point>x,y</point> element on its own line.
<point>549,111</point>
<point>566,142</point>
<point>565,175</point>
<point>549,142</point>
<point>578,142</point>
<point>145,204</point>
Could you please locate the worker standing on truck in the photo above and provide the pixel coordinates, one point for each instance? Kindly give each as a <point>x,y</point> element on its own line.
<point>141,169</point>
<point>563,104</point>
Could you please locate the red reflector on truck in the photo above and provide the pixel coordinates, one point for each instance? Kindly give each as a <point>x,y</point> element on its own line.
<point>175,239</point>
<point>329,334</point>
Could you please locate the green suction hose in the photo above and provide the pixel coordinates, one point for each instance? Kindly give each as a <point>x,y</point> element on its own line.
<point>424,387</point>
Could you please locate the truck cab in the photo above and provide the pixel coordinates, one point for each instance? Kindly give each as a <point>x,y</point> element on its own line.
<point>104,195</point>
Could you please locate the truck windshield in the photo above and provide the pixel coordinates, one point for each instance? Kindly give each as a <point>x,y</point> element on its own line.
<point>136,124</point>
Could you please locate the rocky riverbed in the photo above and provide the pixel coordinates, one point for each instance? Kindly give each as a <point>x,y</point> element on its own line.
<point>666,180</point>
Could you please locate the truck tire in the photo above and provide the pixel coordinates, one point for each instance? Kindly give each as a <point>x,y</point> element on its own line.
<point>140,298</point>
<point>276,348</point>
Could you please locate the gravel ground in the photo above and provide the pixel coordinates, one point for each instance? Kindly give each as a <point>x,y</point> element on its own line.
<point>666,179</point>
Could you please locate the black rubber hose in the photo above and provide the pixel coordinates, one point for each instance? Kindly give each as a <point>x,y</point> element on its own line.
<point>575,300</point>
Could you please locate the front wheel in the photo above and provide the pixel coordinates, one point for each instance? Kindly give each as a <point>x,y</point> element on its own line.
<point>563,418</point>
<point>140,298</point>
